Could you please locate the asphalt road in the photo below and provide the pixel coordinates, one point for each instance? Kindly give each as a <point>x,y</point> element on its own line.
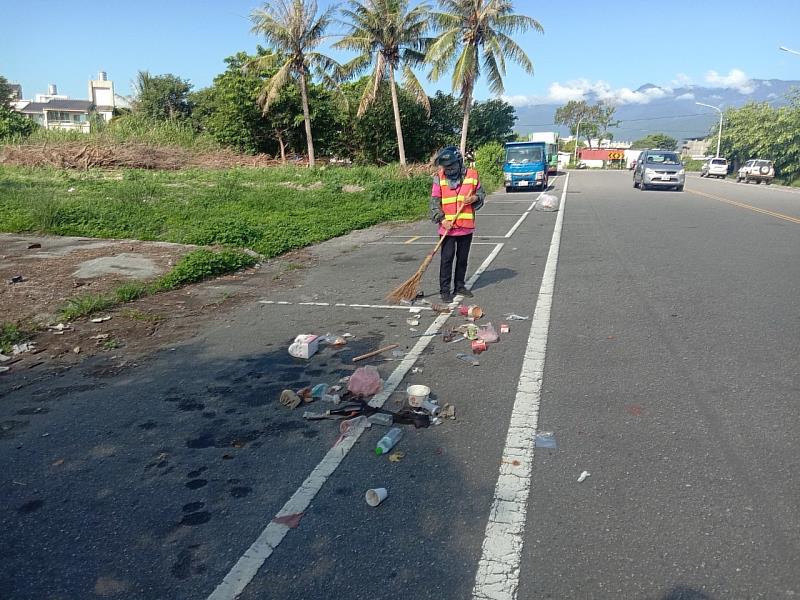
<point>670,374</point>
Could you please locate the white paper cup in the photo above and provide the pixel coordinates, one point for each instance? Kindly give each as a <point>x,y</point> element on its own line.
<point>376,496</point>
<point>417,394</point>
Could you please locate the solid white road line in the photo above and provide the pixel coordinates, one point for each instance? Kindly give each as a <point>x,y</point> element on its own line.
<point>522,218</point>
<point>245,569</point>
<point>342,305</point>
<point>498,570</point>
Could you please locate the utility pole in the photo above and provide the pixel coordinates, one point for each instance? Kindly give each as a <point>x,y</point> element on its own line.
<point>719,137</point>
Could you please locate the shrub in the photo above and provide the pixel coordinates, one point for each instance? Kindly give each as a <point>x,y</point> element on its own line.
<point>489,162</point>
<point>9,335</point>
<point>201,264</point>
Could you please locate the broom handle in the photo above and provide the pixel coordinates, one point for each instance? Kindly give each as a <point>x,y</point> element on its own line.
<point>438,245</point>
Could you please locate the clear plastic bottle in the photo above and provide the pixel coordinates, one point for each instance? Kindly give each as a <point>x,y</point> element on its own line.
<point>388,441</point>
<point>383,419</point>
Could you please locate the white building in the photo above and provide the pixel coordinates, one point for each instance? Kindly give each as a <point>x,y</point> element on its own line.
<point>57,111</point>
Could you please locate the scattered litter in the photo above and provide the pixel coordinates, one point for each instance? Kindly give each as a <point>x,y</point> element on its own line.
<point>413,329</point>
<point>332,398</point>
<point>471,332</point>
<point>396,457</point>
<point>34,246</point>
<point>365,381</point>
<point>547,203</point>
<point>398,354</point>
<point>381,418</point>
<point>347,335</point>
<point>436,421</point>
<point>345,379</point>
<point>23,347</point>
<point>375,496</point>
<point>415,310</point>
<point>583,476</point>
<point>478,346</point>
<point>416,370</point>
<point>4,369</point>
<point>472,312</point>
<point>77,349</point>
<point>70,190</point>
<point>350,426</point>
<point>545,439</point>
<point>467,358</point>
<point>417,395</point>
<point>504,328</point>
<point>315,416</point>
<point>413,322</point>
<point>375,352</point>
<point>319,390</point>
<point>99,336</point>
<point>58,463</point>
<point>335,388</point>
<point>513,317</point>
<point>291,521</point>
<point>388,441</point>
<point>488,333</point>
<point>304,346</point>
<point>431,407</point>
<point>448,412</point>
<point>16,279</point>
<point>59,327</point>
<point>290,399</point>
<point>101,319</point>
<point>333,340</point>
<point>441,308</point>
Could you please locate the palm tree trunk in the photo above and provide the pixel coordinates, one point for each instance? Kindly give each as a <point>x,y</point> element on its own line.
<point>401,149</point>
<point>307,119</point>
<point>465,122</point>
<point>279,135</point>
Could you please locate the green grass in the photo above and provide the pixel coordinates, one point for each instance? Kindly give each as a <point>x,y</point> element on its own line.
<point>250,208</point>
<point>192,267</point>
<point>10,334</point>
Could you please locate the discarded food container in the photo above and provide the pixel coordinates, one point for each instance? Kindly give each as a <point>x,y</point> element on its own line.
<point>388,441</point>
<point>504,328</point>
<point>382,419</point>
<point>478,346</point>
<point>365,381</point>
<point>304,346</point>
<point>376,496</point>
<point>487,333</point>
<point>472,332</point>
<point>472,311</point>
<point>417,394</point>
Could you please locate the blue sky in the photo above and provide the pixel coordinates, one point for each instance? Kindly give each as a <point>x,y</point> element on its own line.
<point>608,47</point>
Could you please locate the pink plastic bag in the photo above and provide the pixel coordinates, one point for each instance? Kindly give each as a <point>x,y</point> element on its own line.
<point>365,381</point>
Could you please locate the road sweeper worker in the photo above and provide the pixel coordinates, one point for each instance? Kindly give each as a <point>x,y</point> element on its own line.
<point>454,185</point>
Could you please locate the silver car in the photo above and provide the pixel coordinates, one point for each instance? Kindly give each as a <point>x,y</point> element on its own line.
<point>659,169</point>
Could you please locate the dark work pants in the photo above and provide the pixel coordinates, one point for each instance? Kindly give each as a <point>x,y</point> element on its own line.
<point>454,246</point>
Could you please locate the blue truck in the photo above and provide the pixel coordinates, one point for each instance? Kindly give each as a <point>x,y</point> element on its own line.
<point>525,165</point>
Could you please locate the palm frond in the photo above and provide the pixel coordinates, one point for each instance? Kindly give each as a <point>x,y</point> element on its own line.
<point>494,73</point>
<point>273,86</point>
<point>371,90</point>
<point>442,53</point>
<point>412,85</point>
<point>512,50</point>
<point>517,24</point>
<point>466,70</point>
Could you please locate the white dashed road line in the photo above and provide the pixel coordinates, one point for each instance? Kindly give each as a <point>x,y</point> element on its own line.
<point>498,570</point>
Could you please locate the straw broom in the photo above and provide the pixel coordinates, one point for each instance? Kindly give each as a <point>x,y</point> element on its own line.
<point>409,289</point>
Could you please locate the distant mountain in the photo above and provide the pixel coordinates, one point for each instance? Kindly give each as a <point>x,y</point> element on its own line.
<point>670,110</point>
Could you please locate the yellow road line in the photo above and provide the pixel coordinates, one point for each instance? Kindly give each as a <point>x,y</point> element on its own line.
<point>413,239</point>
<point>747,206</point>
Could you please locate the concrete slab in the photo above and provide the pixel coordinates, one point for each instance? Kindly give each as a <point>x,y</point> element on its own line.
<point>135,266</point>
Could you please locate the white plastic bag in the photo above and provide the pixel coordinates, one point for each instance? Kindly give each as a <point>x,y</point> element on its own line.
<point>547,203</point>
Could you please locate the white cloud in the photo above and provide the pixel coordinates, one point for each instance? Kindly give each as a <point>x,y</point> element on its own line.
<point>735,79</point>
<point>581,88</point>
<point>681,80</point>
<point>686,96</point>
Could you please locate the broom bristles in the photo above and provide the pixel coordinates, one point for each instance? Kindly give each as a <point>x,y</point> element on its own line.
<point>408,290</point>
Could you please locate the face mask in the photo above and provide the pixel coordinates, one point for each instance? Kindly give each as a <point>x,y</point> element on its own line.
<point>452,171</point>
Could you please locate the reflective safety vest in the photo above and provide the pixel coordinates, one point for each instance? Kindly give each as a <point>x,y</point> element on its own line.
<point>451,199</point>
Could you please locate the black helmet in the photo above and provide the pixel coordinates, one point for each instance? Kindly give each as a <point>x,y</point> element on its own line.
<point>448,156</point>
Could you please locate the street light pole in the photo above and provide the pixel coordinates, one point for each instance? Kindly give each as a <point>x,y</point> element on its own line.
<point>785,49</point>
<point>719,137</point>
<point>577,134</point>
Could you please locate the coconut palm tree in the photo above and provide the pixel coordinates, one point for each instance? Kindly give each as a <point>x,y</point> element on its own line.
<point>476,35</point>
<point>389,36</point>
<point>293,30</point>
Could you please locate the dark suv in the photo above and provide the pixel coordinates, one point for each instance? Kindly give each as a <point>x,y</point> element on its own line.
<point>659,169</point>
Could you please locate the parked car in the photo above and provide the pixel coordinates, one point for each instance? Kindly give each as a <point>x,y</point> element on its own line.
<point>756,170</point>
<point>715,167</point>
<point>659,169</point>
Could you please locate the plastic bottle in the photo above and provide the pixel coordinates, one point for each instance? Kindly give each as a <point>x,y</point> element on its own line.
<point>319,390</point>
<point>388,441</point>
<point>332,398</point>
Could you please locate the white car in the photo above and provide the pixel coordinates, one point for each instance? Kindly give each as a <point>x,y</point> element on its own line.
<point>715,167</point>
<point>757,171</point>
